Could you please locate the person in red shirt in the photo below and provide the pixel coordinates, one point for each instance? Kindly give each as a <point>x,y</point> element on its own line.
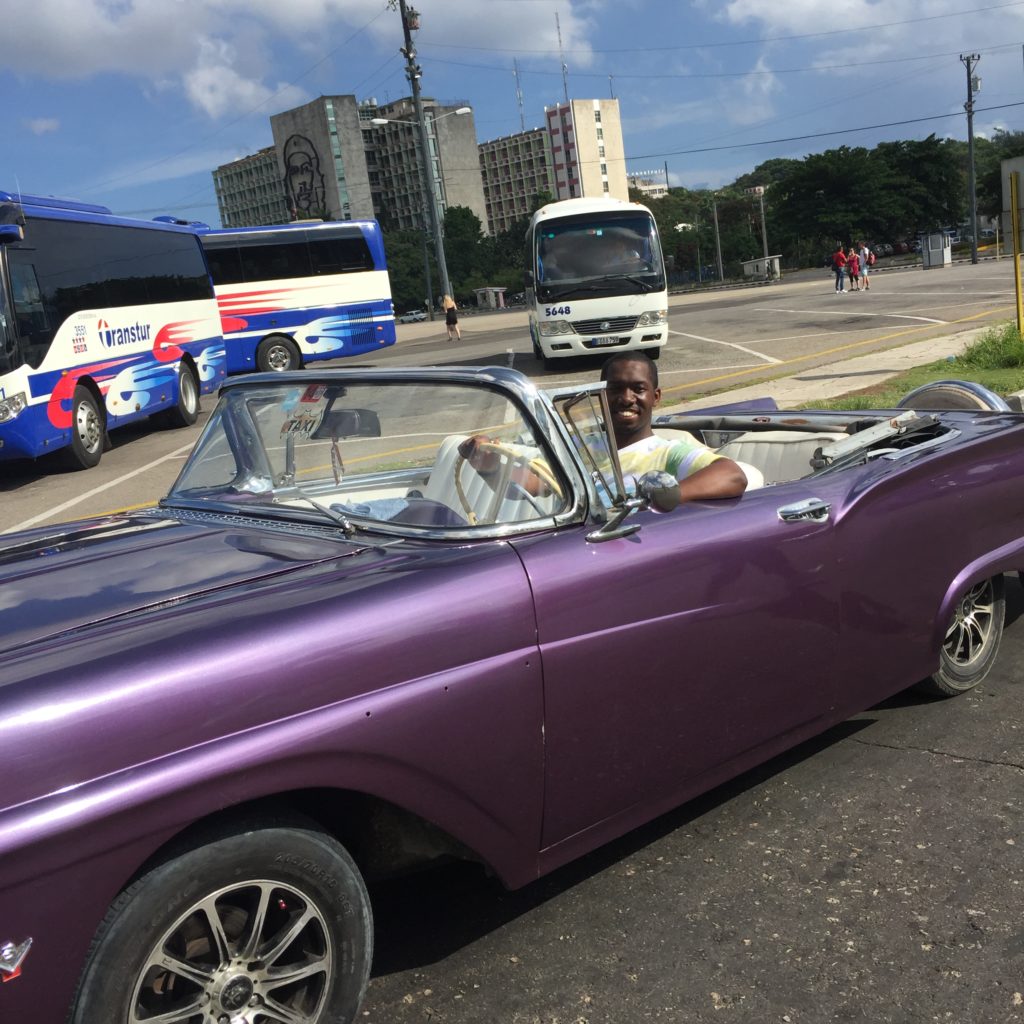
<point>853,269</point>
<point>839,266</point>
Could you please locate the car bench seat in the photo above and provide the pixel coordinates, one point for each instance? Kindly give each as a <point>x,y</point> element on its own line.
<point>780,455</point>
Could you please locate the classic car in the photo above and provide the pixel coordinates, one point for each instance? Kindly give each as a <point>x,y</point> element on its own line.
<point>336,651</point>
<point>414,316</point>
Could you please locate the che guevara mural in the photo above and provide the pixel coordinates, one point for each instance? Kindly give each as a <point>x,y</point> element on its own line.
<point>303,179</point>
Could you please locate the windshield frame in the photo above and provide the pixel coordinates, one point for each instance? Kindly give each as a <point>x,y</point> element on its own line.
<point>247,448</point>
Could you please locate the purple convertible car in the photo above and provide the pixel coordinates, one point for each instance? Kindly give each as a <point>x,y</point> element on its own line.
<point>337,651</point>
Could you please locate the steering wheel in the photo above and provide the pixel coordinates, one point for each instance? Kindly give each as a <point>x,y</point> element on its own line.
<point>538,467</point>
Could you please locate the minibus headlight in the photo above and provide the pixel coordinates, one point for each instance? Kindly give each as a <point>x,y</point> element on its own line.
<point>653,317</point>
<point>11,406</point>
<point>549,328</point>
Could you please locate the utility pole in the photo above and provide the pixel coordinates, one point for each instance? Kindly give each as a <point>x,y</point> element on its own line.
<point>758,190</point>
<point>970,61</point>
<point>411,21</point>
<point>718,239</point>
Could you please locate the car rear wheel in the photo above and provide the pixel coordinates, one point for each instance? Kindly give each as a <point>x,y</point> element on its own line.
<point>87,430</point>
<point>277,354</point>
<point>270,925</point>
<point>186,411</point>
<point>972,640</point>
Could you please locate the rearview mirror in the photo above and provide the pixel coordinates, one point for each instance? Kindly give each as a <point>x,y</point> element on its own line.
<point>11,233</point>
<point>338,423</point>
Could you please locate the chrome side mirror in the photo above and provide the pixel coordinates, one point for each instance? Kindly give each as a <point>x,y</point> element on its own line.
<point>659,489</point>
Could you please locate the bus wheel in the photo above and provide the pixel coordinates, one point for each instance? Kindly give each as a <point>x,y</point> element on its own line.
<point>277,354</point>
<point>87,431</point>
<point>186,412</point>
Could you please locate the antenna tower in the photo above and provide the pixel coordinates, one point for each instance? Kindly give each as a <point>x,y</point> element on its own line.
<point>561,57</point>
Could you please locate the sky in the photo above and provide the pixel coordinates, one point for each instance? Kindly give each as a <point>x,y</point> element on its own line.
<point>133,103</point>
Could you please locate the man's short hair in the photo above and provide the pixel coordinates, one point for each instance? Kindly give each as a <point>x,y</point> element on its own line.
<point>634,356</point>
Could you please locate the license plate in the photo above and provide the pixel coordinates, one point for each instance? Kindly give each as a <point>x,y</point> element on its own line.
<point>597,342</point>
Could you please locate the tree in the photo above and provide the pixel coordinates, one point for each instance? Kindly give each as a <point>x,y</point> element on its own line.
<point>462,237</point>
<point>988,157</point>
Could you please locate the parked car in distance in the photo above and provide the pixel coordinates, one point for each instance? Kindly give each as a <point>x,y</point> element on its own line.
<point>414,316</point>
<point>336,651</point>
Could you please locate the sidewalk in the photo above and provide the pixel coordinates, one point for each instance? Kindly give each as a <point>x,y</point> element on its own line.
<point>839,378</point>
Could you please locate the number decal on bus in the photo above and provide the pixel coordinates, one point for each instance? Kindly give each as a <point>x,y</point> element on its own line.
<point>557,310</point>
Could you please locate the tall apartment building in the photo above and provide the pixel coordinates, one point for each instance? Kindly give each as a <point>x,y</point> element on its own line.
<point>395,165</point>
<point>328,160</point>
<point>249,191</point>
<point>586,145</point>
<point>515,169</point>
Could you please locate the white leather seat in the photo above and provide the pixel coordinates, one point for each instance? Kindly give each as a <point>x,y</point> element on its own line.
<point>780,455</point>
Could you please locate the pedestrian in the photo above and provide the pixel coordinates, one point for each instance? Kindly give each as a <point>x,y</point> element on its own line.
<point>867,257</point>
<point>839,266</point>
<point>853,269</point>
<point>451,319</point>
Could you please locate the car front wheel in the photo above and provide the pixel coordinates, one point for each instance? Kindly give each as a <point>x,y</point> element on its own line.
<point>972,640</point>
<point>270,926</point>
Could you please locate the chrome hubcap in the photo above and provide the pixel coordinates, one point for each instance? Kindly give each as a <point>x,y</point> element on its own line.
<point>87,426</point>
<point>253,953</point>
<point>968,635</point>
<point>279,357</point>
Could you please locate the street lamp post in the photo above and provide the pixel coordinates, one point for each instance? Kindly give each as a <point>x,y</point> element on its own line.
<point>410,21</point>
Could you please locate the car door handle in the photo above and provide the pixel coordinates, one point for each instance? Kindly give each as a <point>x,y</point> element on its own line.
<point>813,509</point>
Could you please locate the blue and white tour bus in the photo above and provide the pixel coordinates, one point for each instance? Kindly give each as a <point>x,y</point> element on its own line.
<point>103,321</point>
<point>293,293</point>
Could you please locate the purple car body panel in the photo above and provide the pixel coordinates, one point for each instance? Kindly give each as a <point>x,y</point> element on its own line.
<point>531,696</point>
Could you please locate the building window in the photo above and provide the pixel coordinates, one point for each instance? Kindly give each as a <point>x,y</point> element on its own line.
<point>604,169</point>
<point>604,186</point>
<point>597,116</point>
<point>600,133</point>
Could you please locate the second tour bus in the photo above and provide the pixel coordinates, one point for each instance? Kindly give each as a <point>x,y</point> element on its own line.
<point>293,293</point>
<point>595,280</point>
<point>103,321</point>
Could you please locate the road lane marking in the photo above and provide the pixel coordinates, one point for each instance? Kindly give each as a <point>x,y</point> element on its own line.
<point>50,513</point>
<point>837,348</point>
<point>730,344</point>
<point>846,312</point>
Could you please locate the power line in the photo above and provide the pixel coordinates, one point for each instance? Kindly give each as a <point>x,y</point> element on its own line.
<point>732,74</point>
<point>740,42</point>
<point>818,135</point>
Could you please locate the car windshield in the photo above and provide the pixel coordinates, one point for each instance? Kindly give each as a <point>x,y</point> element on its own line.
<point>373,455</point>
<point>589,254</point>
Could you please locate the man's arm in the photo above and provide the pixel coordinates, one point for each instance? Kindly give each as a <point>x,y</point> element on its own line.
<point>722,479</point>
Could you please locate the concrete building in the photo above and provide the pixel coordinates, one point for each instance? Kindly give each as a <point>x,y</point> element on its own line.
<point>322,159</point>
<point>651,183</point>
<point>515,169</point>
<point>249,191</point>
<point>395,166</point>
<point>586,145</point>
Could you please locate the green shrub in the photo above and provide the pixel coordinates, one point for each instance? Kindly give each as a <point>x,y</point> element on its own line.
<point>999,348</point>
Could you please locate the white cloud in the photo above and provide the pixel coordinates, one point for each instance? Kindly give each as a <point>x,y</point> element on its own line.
<point>217,88</point>
<point>42,125</point>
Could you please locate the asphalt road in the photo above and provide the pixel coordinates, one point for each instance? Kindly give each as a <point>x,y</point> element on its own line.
<point>718,339</point>
<point>872,875</point>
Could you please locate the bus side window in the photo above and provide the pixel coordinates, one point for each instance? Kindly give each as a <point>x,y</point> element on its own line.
<point>339,255</point>
<point>30,315</point>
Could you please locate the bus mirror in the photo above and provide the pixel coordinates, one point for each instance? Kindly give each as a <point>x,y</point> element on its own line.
<point>11,233</point>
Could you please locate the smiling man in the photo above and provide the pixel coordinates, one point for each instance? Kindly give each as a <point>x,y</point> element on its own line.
<point>633,393</point>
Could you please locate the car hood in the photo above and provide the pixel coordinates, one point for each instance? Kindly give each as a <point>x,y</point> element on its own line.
<point>56,581</point>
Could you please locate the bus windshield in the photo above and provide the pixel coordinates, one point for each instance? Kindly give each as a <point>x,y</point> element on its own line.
<point>593,254</point>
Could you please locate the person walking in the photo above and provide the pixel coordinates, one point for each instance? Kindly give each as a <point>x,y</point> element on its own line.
<point>451,319</point>
<point>839,266</point>
<point>853,269</point>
